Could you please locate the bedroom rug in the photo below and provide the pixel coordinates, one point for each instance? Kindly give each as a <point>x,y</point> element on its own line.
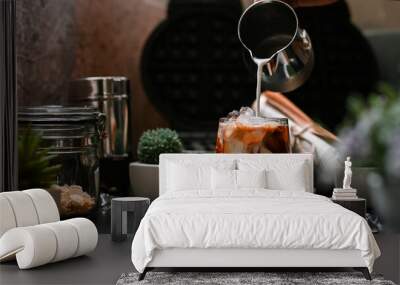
<point>244,278</point>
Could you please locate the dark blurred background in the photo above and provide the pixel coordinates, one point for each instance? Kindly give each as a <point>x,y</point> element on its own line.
<point>185,63</point>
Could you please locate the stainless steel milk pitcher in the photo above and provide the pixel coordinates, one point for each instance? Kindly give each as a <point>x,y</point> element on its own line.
<point>269,30</point>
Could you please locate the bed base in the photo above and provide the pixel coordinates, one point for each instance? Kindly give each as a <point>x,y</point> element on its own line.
<point>242,259</point>
<point>363,270</point>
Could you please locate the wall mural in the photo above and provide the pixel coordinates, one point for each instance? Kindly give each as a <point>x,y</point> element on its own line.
<point>46,50</point>
<point>64,39</point>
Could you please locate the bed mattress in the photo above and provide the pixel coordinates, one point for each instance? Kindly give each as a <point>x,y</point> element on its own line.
<point>250,219</point>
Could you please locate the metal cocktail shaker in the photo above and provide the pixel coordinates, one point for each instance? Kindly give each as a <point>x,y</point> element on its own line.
<point>110,95</point>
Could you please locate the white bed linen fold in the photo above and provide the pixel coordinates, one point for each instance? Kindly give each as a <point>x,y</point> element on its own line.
<point>252,218</point>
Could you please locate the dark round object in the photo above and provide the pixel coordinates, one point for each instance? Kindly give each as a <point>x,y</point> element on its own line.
<point>192,67</point>
<point>344,66</point>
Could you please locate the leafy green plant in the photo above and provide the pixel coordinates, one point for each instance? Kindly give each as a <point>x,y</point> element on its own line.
<point>154,142</point>
<point>372,132</point>
<point>372,138</point>
<point>34,163</point>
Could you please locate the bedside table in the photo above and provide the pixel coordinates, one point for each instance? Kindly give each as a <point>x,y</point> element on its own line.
<point>357,205</point>
<point>120,207</point>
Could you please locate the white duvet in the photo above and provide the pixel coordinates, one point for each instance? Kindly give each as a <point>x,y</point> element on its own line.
<point>250,219</point>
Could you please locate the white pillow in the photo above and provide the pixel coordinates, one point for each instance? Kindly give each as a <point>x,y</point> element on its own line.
<point>251,178</point>
<point>227,179</point>
<point>291,178</point>
<point>223,179</point>
<point>289,175</point>
<point>183,175</point>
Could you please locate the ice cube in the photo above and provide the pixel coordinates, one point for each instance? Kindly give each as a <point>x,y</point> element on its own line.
<point>247,111</point>
<point>223,120</point>
<point>250,120</point>
<point>229,130</point>
<point>233,115</point>
<point>235,146</point>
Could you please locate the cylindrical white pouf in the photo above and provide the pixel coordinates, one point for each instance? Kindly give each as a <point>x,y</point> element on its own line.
<point>34,246</point>
<point>67,240</point>
<point>87,234</point>
<point>37,245</point>
<point>7,218</point>
<point>45,205</point>
<point>23,208</point>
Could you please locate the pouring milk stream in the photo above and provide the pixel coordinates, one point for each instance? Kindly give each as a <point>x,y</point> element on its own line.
<point>268,29</point>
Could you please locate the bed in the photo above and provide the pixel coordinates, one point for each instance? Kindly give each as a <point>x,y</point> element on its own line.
<point>246,211</point>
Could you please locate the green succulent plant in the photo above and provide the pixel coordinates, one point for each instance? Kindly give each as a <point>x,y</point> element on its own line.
<point>154,142</point>
<point>34,164</point>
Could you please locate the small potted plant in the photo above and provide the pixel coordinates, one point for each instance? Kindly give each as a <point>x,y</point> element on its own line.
<point>34,163</point>
<point>144,173</point>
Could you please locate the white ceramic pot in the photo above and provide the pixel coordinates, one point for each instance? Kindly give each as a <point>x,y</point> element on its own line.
<point>144,179</point>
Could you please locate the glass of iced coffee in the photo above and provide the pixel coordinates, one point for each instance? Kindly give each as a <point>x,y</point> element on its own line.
<point>243,132</point>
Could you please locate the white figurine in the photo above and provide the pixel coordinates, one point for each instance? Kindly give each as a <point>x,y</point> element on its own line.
<point>347,174</point>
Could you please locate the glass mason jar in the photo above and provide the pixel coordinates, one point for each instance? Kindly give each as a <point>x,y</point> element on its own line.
<point>253,135</point>
<point>71,136</point>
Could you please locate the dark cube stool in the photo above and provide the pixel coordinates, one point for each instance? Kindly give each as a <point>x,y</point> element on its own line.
<point>120,207</point>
